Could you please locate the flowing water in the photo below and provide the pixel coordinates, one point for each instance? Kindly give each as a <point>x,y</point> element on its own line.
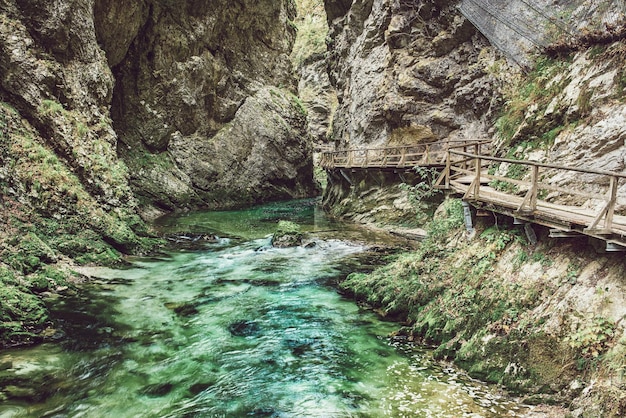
<point>234,327</point>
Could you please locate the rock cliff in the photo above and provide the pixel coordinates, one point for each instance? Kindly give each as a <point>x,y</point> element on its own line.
<point>407,71</point>
<point>193,95</point>
<point>165,86</point>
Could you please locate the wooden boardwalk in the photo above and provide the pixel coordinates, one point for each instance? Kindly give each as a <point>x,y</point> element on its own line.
<point>468,170</point>
<point>432,154</point>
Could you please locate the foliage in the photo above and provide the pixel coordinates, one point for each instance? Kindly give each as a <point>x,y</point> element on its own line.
<point>321,177</point>
<point>422,194</point>
<point>446,222</point>
<point>536,92</point>
<point>500,237</point>
<point>312,30</point>
<point>591,340</point>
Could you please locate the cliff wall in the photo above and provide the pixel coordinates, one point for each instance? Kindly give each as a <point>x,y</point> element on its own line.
<point>415,71</point>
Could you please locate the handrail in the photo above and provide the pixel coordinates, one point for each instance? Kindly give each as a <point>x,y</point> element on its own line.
<point>538,164</point>
<point>463,143</point>
<point>400,156</point>
<point>599,222</point>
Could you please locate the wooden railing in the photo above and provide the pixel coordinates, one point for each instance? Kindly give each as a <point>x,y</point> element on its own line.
<point>588,206</point>
<point>408,156</point>
<point>474,176</point>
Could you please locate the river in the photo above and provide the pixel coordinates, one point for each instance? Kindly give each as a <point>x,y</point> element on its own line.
<point>232,327</point>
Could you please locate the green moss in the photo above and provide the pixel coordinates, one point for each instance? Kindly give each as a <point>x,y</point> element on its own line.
<point>29,255</point>
<point>536,90</point>
<point>287,234</point>
<point>50,107</point>
<point>299,105</point>
<point>287,227</point>
<point>549,137</point>
<point>22,314</point>
<point>52,214</point>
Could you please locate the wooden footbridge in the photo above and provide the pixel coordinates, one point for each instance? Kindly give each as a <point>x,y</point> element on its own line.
<point>571,201</point>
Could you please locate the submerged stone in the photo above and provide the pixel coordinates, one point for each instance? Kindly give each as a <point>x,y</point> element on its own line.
<point>264,412</point>
<point>157,390</point>
<point>298,347</point>
<point>198,388</point>
<point>182,308</point>
<point>244,328</point>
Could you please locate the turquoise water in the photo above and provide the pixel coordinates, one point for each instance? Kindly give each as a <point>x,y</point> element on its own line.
<point>234,327</point>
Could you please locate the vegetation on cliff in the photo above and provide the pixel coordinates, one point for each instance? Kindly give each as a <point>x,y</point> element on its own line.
<point>544,320</point>
<point>490,304</point>
<point>50,220</point>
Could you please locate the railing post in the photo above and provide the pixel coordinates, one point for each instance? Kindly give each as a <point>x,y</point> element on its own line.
<point>349,158</point>
<point>534,190</point>
<point>402,157</point>
<point>448,169</point>
<point>612,195</point>
<point>366,158</point>
<point>477,178</point>
<point>465,159</point>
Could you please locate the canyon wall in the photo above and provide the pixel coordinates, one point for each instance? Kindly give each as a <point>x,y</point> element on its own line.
<point>197,98</point>
<point>204,103</point>
<point>408,71</point>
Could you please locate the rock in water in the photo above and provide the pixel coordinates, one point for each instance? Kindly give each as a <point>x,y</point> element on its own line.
<point>244,328</point>
<point>287,235</point>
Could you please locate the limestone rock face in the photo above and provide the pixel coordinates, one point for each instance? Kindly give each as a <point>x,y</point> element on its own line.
<point>54,73</point>
<point>586,112</point>
<point>101,79</point>
<point>407,64</point>
<point>319,98</point>
<point>181,90</point>
<point>262,154</point>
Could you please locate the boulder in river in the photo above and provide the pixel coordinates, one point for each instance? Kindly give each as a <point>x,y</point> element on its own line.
<point>287,235</point>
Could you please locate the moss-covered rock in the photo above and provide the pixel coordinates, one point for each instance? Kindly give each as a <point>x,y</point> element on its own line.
<point>22,314</point>
<point>287,234</point>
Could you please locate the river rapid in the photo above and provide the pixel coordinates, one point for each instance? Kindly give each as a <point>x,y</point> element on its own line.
<point>229,326</point>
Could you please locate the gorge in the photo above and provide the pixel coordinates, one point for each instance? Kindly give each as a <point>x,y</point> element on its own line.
<point>114,113</point>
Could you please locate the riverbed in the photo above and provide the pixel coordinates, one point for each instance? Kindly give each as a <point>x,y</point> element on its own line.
<point>227,325</point>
